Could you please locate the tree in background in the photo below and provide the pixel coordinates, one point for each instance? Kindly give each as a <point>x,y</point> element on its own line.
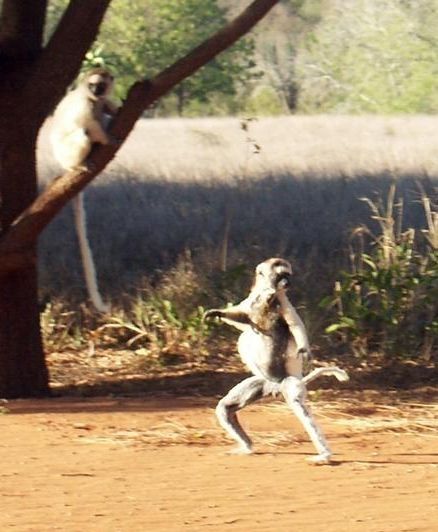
<point>140,38</point>
<point>276,55</point>
<point>371,56</point>
<point>35,75</point>
<point>334,56</point>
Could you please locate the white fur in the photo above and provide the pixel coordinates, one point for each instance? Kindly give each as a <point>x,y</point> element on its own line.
<point>86,254</point>
<point>257,350</point>
<point>79,121</point>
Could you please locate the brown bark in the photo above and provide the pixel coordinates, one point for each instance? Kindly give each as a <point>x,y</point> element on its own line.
<point>21,31</point>
<point>27,95</point>
<point>22,367</point>
<point>23,371</point>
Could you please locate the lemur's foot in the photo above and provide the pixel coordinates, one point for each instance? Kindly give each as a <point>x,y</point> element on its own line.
<point>241,449</point>
<point>320,459</point>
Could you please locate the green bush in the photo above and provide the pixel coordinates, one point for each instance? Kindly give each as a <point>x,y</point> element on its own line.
<point>387,303</point>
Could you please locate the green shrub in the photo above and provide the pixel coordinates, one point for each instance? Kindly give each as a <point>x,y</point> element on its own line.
<point>387,303</point>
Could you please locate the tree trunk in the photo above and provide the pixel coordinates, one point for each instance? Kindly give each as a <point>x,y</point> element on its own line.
<point>23,371</point>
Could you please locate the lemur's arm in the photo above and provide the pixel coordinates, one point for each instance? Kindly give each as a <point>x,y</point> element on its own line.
<point>294,322</point>
<point>239,315</point>
<point>242,316</point>
<point>232,316</point>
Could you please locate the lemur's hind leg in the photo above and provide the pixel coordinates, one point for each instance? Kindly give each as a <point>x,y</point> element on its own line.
<point>243,394</point>
<point>294,392</point>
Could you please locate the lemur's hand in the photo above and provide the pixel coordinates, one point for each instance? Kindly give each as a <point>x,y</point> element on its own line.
<point>283,281</point>
<point>212,313</point>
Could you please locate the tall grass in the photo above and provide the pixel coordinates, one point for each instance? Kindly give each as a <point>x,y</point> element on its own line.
<point>229,196</point>
<point>387,302</point>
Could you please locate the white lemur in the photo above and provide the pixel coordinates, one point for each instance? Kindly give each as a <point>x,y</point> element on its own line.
<point>79,120</point>
<point>274,346</point>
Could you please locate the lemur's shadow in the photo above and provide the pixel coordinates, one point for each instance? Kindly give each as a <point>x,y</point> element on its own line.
<point>339,461</point>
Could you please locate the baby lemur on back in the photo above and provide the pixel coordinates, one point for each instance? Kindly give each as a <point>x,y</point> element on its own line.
<point>274,345</point>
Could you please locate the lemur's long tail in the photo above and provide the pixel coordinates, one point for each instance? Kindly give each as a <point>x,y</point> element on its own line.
<point>333,371</point>
<point>86,254</point>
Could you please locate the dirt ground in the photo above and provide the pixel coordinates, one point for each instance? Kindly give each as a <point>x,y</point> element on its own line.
<point>161,464</point>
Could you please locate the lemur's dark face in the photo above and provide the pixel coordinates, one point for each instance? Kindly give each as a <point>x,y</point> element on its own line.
<point>100,84</point>
<point>274,273</point>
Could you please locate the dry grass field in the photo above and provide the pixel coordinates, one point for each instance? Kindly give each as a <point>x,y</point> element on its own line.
<point>289,186</point>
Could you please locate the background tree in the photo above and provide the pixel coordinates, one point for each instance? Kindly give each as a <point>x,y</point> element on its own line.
<point>276,56</point>
<point>172,29</point>
<point>34,77</point>
<point>141,38</point>
<point>315,56</point>
<point>371,56</point>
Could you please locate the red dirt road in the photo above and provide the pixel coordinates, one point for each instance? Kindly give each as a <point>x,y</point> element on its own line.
<point>147,464</point>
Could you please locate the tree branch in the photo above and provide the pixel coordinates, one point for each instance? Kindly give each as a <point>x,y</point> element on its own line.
<point>60,61</point>
<point>25,230</point>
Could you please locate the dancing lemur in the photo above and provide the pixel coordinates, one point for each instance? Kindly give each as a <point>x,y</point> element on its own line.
<point>274,345</point>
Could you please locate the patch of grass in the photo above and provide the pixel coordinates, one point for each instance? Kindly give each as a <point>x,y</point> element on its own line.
<point>387,302</point>
<point>158,326</point>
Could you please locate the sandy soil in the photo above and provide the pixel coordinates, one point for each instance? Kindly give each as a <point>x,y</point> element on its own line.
<point>161,464</point>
